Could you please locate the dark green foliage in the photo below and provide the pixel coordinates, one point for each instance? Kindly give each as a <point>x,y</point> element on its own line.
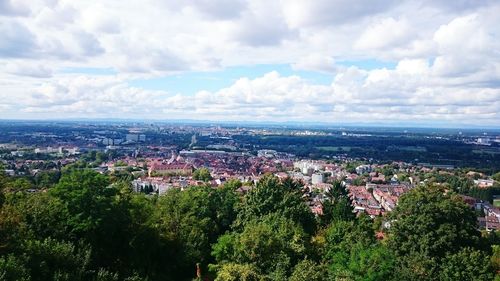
<point>485,194</point>
<point>496,176</point>
<point>89,226</point>
<point>239,272</point>
<point>386,146</point>
<point>46,179</point>
<point>202,174</point>
<point>272,196</point>
<point>97,214</point>
<point>12,269</point>
<point>429,227</point>
<point>309,270</point>
<point>53,260</point>
<point>12,228</point>
<point>45,216</point>
<point>271,233</point>
<point>467,264</point>
<point>193,219</point>
<point>337,205</point>
<point>85,194</point>
<point>79,226</point>
<point>20,184</point>
<point>430,222</point>
<point>353,253</point>
<point>2,197</point>
<point>273,244</point>
<point>98,157</point>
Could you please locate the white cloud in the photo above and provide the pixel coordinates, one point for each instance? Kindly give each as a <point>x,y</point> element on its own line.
<point>316,62</point>
<point>467,45</point>
<point>27,69</point>
<point>327,12</point>
<point>13,8</point>
<point>16,40</point>
<point>385,32</point>
<point>401,95</point>
<point>413,66</point>
<point>446,55</point>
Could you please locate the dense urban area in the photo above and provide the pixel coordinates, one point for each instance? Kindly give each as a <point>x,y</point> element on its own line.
<point>200,201</point>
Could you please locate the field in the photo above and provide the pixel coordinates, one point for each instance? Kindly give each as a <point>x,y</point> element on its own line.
<point>335,148</point>
<point>486,151</point>
<point>408,148</point>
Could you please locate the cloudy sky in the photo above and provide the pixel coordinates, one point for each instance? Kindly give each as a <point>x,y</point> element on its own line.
<point>434,62</point>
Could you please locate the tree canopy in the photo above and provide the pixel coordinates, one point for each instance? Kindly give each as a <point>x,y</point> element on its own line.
<point>202,174</point>
<point>429,228</point>
<point>90,226</point>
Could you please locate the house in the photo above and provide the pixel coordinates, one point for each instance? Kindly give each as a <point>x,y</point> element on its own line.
<point>388,195</point>
<point>176,168</point>
<point>490,210</point>
<point>151,184</point>
<point>363,169</point>
<point>492,223</point>
<point>378,179</point>
<point>484,183</point>
<point>471,201</point>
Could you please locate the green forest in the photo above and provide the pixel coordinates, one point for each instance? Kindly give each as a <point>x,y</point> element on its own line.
<point>89,226</point>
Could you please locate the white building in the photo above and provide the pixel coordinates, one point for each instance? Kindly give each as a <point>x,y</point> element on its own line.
<point>484,182</point>
<point>155,184</point>
<point>268,153</point>
<point>132,137</point>
<point>307,167</point>
<point>49,150</point>
<point>363,169</point>
<point>317,178</point>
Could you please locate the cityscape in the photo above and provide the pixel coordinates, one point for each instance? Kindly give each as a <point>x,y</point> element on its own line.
<point>362,171</point>
<point>249,140</point>
<point>155,158</point>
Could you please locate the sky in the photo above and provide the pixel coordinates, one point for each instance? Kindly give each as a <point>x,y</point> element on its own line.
<point>425,63</point>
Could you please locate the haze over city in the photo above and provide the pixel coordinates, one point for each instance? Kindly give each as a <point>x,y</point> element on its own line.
<point>425,63</point>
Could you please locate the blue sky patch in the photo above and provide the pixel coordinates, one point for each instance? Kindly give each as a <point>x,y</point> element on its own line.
<point>191,82</point>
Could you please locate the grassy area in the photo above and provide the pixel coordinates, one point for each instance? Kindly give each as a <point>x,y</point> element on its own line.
<point>335,148</point>
<point>408,148</point>
<point>486,151</point>
<point>496,203</point>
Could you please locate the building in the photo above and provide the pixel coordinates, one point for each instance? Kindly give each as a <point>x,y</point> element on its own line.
<point>49,150</point>
<point>132,137</point>
<point>317,178</point>
<point>364,202</point>
<point>483,141</point>
<point>167,169</point>
<point>156,184</point>
<point>72,150</point>
<point>492,223</point>
<point>268,153</point>
<point>388,195</point>
<point>307,167</point>
<point>107,141</point>
<point>362,169</point>
<point>484,183</point>
<point>378,179</point>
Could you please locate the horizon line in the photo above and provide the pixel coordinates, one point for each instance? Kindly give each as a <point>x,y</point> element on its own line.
<point>253,122</point>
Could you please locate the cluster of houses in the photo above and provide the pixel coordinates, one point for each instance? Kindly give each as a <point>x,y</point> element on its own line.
<point>376,196</point>
<point>376,199</point>
<point>162,168</point>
